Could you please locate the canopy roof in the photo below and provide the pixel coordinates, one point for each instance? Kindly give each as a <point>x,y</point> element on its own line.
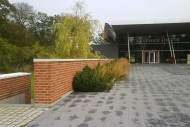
<point>153,28</point>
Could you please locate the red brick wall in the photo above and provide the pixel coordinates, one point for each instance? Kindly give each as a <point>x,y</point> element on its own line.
<point>54,78</point>
<point>13,86</point>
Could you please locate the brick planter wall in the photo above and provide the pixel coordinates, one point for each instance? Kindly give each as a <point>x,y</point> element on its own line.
<point>14,84</point>
<point>53,77</point>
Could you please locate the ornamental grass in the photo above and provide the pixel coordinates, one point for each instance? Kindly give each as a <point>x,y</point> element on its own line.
<point>102,77</point>
<point>117,68</point>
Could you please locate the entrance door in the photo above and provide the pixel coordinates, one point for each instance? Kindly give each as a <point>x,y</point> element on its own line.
<point>150,57</point>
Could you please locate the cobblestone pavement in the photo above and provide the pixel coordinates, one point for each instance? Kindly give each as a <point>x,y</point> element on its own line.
<point>154,96</point>
<point>16,116</point>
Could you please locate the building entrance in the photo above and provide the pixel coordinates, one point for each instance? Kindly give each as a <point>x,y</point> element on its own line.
<point>150,57</point>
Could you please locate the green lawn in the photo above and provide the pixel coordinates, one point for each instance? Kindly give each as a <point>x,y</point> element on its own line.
<point>32,83</point>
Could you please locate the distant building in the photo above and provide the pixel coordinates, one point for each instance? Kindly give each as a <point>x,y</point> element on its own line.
<point>148,42</point>
<point>109,50</point>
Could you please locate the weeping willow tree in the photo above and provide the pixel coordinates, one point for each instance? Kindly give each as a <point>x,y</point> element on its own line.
<point>73,34</point>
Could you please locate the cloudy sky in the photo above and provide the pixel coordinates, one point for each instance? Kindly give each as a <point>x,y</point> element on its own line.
<point>128,10</point>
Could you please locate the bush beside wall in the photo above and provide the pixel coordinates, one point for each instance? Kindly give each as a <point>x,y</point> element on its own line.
<point>53,77</point>
<point>100,78</point>
<point>91,80</point>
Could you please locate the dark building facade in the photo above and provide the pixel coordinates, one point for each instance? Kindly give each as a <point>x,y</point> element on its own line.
<point>107,50</point>
<point>151,43</point>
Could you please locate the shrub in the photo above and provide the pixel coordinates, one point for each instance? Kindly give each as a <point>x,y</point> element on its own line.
<point>100,78</point>
<point>91,80</point>
<point>117,68</point>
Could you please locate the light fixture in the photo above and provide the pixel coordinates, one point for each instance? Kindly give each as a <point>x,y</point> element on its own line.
<point>183,35</point>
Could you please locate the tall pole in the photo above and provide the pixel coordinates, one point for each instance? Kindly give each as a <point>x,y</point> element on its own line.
<point>171,46</point>
<point>129,55</point>
<point>173,51</point>
<point>169,41</point>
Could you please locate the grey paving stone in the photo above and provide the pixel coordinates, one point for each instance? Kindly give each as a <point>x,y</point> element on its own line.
<point>12,116</point>
<point>155,95</point>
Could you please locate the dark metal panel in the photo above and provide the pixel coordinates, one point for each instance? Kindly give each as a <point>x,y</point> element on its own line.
<point>109,51</point>
<point>109,33</point>
<point>151,29</point>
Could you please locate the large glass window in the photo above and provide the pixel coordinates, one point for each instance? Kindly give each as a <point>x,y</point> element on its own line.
<point>137,44</point>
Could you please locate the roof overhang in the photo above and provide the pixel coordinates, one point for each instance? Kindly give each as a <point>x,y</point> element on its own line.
<point>151,28</point>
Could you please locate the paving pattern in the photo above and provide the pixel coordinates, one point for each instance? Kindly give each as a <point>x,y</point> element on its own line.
<point>154,96</point>
<point>16,116</point>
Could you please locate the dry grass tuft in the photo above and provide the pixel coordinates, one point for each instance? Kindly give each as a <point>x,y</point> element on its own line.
<point>116,68</point>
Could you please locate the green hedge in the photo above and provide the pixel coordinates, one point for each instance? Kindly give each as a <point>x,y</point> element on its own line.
<point>91,80</point>
<point>100,78</point>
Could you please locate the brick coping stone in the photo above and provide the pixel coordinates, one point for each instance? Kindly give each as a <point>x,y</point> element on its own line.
<point>57,60</point>
<point>13,75</point>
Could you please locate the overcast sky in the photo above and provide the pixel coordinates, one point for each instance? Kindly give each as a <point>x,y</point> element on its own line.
<point>109,10</point>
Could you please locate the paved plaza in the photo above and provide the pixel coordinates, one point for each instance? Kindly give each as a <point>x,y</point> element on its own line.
<point>18,115</point>
<point>154,96</point>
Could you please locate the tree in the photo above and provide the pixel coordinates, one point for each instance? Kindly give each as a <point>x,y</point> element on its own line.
<point>41,29</point>
<point>99,39</point>
<point>17,35</point>
<point>73,34</point>
<point>24,34</point>
<point>6,55</point>
<point>6,9</point>
<point>12,36</point>
<point>24,14</point>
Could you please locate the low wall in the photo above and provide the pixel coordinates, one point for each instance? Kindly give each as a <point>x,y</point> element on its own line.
<point>15,88</point>
<point>53,77</point>
<point>188,58</point>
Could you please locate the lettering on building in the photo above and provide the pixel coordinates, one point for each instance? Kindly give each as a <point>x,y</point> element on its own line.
<point>157,40</point>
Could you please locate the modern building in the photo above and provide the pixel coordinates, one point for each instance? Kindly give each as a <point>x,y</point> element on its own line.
<point>148,41</point>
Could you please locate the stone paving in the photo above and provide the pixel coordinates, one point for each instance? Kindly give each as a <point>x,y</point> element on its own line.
<point>16,116</point>
<point>154,96</point>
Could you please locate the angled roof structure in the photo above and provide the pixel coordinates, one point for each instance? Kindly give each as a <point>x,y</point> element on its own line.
<point>158,27</point>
